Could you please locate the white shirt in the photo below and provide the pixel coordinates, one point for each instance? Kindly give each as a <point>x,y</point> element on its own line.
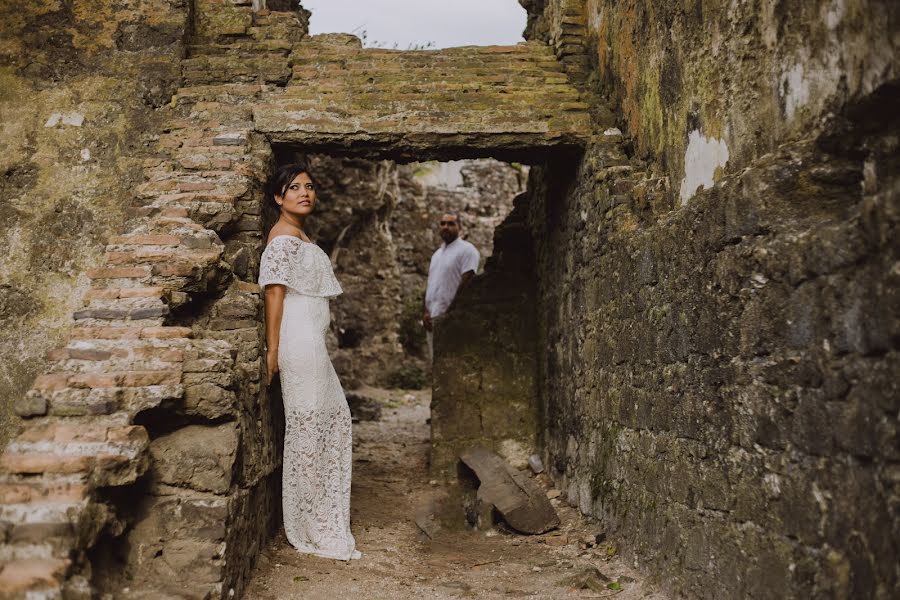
<point>448,264</point>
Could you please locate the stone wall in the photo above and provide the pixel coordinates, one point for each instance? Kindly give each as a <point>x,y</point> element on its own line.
<point>81,84</point>
<point>147,463</point>
<point>718,365</point>
<point>699,85</point>
<point>485,388</point>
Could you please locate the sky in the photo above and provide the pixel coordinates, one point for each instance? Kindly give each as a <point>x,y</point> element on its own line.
<point>445,23</point>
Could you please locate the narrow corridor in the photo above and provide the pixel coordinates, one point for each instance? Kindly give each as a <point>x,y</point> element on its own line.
<point>390,484</point>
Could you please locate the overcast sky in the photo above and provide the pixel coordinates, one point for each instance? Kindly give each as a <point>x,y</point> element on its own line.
<point>404,22</point>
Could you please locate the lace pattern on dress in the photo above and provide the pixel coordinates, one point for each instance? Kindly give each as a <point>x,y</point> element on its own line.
<point>318,437</point>
<point>301,266</point>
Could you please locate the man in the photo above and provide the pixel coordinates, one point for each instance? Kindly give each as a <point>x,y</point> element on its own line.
<point>453,265</point>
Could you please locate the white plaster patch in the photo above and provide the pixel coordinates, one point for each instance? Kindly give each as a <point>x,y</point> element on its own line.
<point>85,154</point>
<point>703,156</point>
<point>595,15</point>
<point>795,88</point>
<point>834,14</point>
<point>74,119</point>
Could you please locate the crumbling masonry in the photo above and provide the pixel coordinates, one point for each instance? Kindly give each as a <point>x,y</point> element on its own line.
<point>692,314</point>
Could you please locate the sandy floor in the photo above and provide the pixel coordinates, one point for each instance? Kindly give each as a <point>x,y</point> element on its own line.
<point>389,483</point>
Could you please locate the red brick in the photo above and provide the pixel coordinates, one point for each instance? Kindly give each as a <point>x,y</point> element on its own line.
<point>11,493</point>
<point>142,292</point>
<point>174,212</point>
<point>33,574</point>
<point>162,354</point>
<point>195,186</point>
<point>92,380</point>
<point>62,433</point>
<point>145,378</point>
<point>102,294</point>
<point>45,463</point>
<point>175,270</point>
<point>87,354</point>
<point>129,433</point>
<point>36,533</point>
<point>57,354</point>
<point>145,240</point>
<point>51,382</point>
<point>166,332</point>
<point>119,273</point>
<point>105,333</point>
<point>43,492</point>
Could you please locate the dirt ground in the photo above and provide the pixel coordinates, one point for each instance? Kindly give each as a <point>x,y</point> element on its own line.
<point>390,482</point>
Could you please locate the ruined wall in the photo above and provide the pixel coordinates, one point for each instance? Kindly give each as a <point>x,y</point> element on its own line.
<point>701,84</point>
<point>485,387</point>
<point>719,366</point>
<point>378,222</point>
<point>80,85</point>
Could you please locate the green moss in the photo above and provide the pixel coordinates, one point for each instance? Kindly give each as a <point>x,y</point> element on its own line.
<point>412,334</point>
<point>408,377</point>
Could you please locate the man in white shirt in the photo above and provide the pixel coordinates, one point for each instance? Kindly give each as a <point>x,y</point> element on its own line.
<point>453,265</point>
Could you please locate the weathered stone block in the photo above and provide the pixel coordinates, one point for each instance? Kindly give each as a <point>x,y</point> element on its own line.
<point>197,456</point>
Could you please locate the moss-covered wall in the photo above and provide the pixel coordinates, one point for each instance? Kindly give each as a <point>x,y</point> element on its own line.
<point>79,84</point>
<point>689,74</point>
<point>717,295</point>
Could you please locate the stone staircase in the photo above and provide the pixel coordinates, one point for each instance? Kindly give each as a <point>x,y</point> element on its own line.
<point>124,358</point>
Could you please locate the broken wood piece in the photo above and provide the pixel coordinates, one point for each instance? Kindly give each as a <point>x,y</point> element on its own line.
<point>521,503</point>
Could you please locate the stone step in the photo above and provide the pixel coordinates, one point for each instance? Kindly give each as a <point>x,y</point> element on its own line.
<point>44,490</point>
<point>33,578</point>
<point>87,402</point>
<point>52,382</point>
<point>110,452</point>
<point>38,541</point>
<point>143,255</point>
<point>128,312</point>
<point>132,333</point>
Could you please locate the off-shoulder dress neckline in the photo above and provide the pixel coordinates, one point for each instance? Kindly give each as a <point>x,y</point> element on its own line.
<point>287,235</point>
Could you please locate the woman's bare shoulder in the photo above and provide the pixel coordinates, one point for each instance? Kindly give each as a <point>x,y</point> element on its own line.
<point>279,230</point>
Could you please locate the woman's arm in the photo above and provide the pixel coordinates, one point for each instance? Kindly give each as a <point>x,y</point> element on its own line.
<point>274,306</point>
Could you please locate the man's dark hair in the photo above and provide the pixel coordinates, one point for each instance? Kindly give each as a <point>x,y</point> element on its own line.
<point>454,214</point>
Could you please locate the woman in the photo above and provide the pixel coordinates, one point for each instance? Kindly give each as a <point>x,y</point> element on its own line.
<point>298,280</point>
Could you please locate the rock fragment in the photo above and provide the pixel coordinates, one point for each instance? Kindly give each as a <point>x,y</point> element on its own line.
<point>363,408</point>
<point>520,502</point>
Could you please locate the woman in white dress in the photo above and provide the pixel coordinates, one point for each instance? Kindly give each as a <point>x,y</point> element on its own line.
<point>297,280</point>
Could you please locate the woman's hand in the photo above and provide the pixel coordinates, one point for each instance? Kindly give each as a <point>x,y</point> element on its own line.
<point>271,365</point>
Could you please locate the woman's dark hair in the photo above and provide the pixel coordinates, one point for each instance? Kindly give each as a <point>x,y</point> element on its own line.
<point>283,176</point>
<point>277,186</point>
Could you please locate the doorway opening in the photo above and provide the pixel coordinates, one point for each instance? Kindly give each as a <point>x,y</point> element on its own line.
<point>377,220</point>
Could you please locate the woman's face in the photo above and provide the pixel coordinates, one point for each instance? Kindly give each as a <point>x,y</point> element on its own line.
<point>299,197</point>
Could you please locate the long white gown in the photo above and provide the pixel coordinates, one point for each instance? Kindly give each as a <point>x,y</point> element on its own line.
<point>318,436</point>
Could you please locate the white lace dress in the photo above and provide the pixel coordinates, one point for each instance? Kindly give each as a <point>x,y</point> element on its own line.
<point>318,436</point>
